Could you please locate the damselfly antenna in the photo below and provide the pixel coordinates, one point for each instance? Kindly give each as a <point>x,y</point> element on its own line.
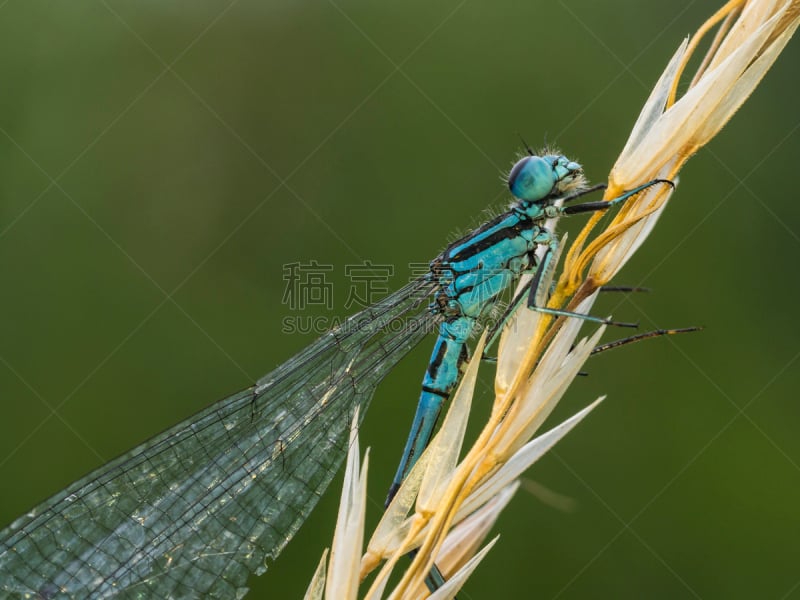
<point>528,149</point>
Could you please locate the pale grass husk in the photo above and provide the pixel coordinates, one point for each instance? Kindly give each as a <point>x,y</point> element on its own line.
<point>452,504</point>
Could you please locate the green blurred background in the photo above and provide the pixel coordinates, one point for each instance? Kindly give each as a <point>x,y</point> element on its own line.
<point>143,150</point>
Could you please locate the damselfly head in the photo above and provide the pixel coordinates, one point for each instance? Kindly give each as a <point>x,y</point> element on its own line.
<point>538,178</point>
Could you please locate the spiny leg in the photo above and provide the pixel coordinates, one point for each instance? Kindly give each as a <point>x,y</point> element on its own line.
<point>637,338</point>
<point>605,205</point>
<point>545,264</point>
<point>530,291</point>
<point>641,336</point>
<point>552,244</point>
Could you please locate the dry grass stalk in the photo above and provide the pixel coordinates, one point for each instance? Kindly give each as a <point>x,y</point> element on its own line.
<point>453,504</point>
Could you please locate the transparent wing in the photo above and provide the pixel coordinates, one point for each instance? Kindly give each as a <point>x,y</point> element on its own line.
<point>193,511</point>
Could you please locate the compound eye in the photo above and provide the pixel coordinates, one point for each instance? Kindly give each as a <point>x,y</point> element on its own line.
<point>531,179</point>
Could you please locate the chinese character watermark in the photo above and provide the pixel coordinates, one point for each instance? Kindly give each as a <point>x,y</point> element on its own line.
<point>307,285</point>
<point>368,283</point>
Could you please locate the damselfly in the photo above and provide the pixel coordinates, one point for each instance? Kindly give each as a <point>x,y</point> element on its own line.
<point>474,271</point>
<point>193,511</point>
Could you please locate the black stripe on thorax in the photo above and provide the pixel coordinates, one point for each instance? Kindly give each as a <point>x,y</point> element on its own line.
<point>472,248</point>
